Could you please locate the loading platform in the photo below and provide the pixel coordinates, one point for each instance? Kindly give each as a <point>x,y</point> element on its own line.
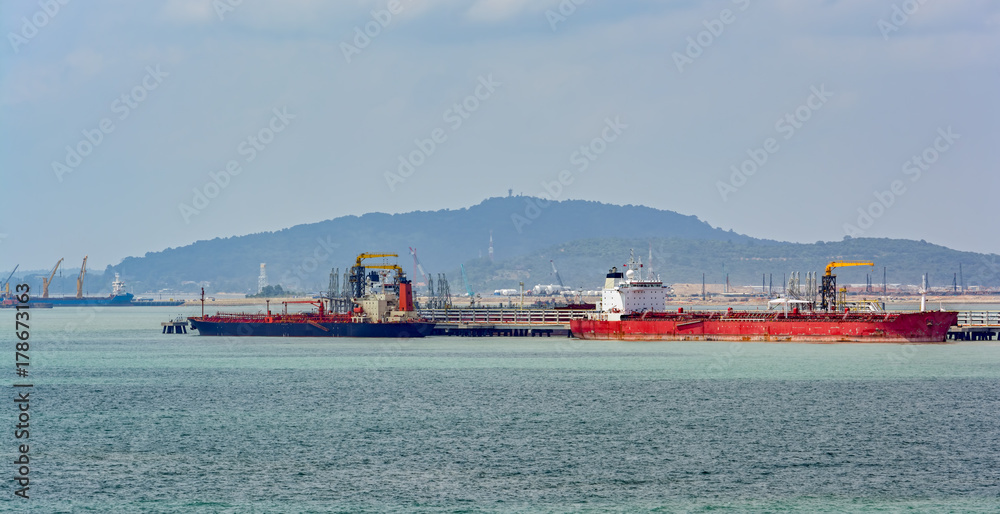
<point>175,326</point>
<point>976,326</point>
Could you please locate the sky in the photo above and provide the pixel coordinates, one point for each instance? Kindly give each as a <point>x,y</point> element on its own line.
<point>130,127</point>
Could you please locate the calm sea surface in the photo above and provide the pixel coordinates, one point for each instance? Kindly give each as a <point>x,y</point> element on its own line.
<point>126,419</point>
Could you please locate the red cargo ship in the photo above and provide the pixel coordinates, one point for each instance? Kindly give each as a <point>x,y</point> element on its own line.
<point>383,308</point>
<point>632,309</point>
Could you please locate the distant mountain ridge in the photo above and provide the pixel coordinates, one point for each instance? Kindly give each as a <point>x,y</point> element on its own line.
<point>582,263</point>
<point>300,257</point>
<point>583,237</point>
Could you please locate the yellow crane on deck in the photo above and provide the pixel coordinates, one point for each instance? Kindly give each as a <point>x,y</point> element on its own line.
<point>357,278</point>
<point>828,290</point>
<point>47,282</point>
<point>79,280</point>
<point>372,256</point>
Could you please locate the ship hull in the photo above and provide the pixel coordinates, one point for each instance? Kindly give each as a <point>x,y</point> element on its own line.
<point>125,300</point>
<point>922,327</point>
<point>311,329</point>
<point>102,301</point>
<point>156,303</point>
<point>12,304</point>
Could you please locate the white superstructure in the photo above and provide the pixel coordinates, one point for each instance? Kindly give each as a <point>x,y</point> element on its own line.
<point>630,293</point>
<point>117,287</point>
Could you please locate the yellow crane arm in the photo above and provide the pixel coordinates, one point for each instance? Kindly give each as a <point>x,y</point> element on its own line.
<point>841,264</point>
<point>47,283</point>
<point>399,270</point>
<point>372,256</point>
<point>79,280</point>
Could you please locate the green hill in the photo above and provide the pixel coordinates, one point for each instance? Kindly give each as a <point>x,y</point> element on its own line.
<point>300,257</point>
<point>584,239</point>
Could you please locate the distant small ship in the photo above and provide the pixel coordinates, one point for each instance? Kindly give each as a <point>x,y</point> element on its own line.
<point>117,298</point>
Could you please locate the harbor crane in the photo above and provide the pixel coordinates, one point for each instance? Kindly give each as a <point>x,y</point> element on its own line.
<point>465,278</point>
<point>6,283</point>
<point>828,290</point>
<point>416,265</point>
<point>79,280</point>
<point>47,282</point>
<point>554,270</point>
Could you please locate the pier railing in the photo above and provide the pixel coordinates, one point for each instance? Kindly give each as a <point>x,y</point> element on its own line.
<point>979,318</point>
<point>503,316</point>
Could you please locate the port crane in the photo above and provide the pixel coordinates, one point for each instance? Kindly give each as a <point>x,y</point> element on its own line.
<point>79,280</point>
<point>828,290</point>
<point>465,278</point>
<point>554,270</point>
<point>416,265</point>
<point>47,282</point>
<point>6,283</point>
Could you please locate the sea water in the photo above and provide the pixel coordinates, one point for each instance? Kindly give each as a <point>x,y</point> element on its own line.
<point>124,418</point>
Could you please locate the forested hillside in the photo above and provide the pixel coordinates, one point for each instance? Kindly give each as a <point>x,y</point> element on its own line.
<point>300,257</point>
<point>583,238</point>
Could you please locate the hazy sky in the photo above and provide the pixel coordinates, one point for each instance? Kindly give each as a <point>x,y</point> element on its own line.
<point>115,112</point>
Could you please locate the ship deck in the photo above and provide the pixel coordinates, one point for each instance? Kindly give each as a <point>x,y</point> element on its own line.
<point>775,316</point>
<point>976,325</point>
